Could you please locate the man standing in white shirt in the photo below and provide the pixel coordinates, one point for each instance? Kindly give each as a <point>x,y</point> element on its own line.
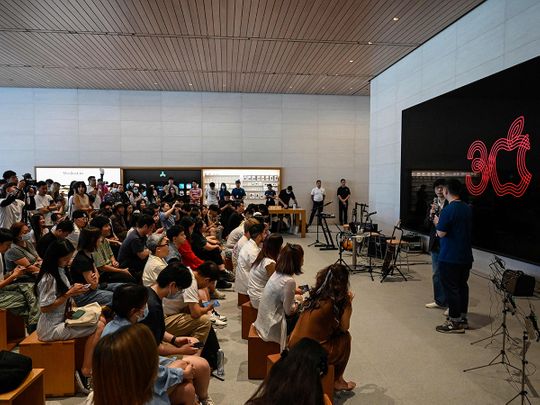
<point>317,196</point>
<point>44,203</point>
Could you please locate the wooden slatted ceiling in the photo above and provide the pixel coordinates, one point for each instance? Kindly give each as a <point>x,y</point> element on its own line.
<point>275,46</point>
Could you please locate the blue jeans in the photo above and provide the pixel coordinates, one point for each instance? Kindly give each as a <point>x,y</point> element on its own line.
<point>438,290</point>
<point>102,297</point>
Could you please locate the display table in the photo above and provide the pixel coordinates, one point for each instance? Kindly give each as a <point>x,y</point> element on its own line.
<point>299,212</point>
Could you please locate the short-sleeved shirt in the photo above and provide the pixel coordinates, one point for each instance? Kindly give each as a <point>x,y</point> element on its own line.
<point>127,255</point>
<point>166,222</point>
<point>246,257</point>
<point>195,195</point>
<point>286,197</point>
<point>343,192</point>
<point>17,252</point>
<point>102,255</point>
<point>318,194</point>
<point>155,319</point>
<point>11,213</point>
<point>238,193</point>
<point>44,201</point>
<point>44,242</point>
<point>154,265</point>
<point>270,194</point>
<point>456,221</point>
<point>82,263</point>
<point>188,296</point>
<point>258,277</point>
<point>212,196</point>
<point>174,254</point>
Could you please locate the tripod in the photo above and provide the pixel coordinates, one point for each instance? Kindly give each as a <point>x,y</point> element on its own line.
<point>501,330</point>
<point>392,253</point>
<point>317,242</point>
<point>523,393</point>
<point>339,239</point>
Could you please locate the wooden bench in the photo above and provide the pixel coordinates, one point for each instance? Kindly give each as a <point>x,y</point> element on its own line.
<point>249,315</point>
<point>242,298</point>
<point>327,380</point>
<point>30,392</point>
<point>258,350</point>
<point>12,330</point>
<point>60,359</point>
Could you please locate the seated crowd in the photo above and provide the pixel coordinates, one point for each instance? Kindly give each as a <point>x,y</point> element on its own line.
<point>155,262</point>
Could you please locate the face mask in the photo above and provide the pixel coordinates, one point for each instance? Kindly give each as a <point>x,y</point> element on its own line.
<point>144,315</point>
<point>136,190</point>
<point>288,192</point>
<point>26,237</point>
<point>114,190</point>
<point>223,187</point>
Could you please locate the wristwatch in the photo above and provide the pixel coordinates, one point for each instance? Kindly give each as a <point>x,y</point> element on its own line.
<point>173,341</point>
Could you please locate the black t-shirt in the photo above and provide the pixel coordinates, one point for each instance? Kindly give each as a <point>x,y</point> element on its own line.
<point>82,263</point>
<point>44,242</point>
<point>155,319</point>
<point>127,255</point>
<point>343,192</point>
<point>198,242</point>
<point>269,194</point>
<point>285,197</point>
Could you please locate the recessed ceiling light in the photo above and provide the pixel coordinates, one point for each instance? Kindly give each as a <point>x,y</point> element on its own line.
<point>190,84</point>
<point>395,18</point>
<point>351,61</point>
<point>290,87</point>
<point>120,83</point>
<point>370,43</point>
<point>155,83</point>
<point>323,88</point>
<point>350,88</point>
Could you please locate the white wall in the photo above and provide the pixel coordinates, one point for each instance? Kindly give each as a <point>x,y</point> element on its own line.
<point>310,137</point>
<point>494,36</point>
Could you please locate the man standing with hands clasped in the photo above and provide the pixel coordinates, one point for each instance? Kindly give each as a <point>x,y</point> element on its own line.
<point>455,256</point>
<point>317,196</point>
<point>343,193</point>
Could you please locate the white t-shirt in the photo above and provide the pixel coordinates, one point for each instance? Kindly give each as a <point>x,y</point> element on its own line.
<point>11,214</point>
<point>258,277</point>
<point>247,256</point>
<point>41,202</point>
<point>154,265</point>
<point>188,296</point>
<point>318,194</point>
<point>212,196</point>
<point>235,236</point>
<point>238,247</point>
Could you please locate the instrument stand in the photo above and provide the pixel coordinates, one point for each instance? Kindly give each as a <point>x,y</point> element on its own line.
<point>317,242</point>
<point>341,249</point>
<point>523,393</point>
<point>393,266</point>
<point>504,332</point>
<point>327,234</point>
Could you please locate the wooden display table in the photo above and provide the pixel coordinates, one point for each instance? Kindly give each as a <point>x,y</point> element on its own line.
<point>299,212</point>
<point>30,392</point>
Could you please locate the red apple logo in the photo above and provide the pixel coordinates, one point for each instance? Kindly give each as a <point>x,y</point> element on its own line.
<point>486,166</point>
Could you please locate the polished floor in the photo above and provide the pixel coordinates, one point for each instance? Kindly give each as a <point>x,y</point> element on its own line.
<point>397,356</point>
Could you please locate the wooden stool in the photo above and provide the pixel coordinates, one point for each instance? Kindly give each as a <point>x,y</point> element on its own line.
<point>258,350</point>
<point>249,315</point>
<point>242,298</point>
<point>12,330</point>
<point>327,380</point>
<point>60,359</point>
<point>30,392</point>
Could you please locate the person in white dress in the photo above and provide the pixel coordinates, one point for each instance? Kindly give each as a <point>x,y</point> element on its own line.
<point>263,268</point>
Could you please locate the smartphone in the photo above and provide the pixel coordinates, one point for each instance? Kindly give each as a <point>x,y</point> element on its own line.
<point>87,286</point>
<point>198,345</point>
<point>77,314</point>
<point>216,303</point>
<point>304,288</point>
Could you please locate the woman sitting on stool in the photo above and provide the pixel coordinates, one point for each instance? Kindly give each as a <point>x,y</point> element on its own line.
<point>326,317</point>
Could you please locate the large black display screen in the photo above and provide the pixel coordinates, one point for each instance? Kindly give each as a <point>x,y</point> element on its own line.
<point>487,134</point>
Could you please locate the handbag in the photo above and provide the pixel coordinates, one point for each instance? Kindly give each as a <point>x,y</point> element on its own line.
<point>14,368</point>
<point>90,317</point>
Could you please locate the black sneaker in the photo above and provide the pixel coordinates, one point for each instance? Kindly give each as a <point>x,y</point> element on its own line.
<point>228,276</point>
<point>84,384</point>
<point>222,284</point>
<point>464,323</point>
<point>450,327</point>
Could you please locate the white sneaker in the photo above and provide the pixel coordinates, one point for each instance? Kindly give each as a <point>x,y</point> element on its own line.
<point>433,305</point>
<point>219,316</point>
<point>218,323</point>
<point>207,401</point>
<point>447,312</point>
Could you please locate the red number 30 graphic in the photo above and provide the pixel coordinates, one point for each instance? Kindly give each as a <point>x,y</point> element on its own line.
<point>486,165</point>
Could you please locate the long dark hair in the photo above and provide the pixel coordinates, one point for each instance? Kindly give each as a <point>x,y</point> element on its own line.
<point>186,223</point>
<point>295,378</point>
<point>36,227</point>
<point>55,251</point>
<point>271,248</point>
<point>332,283</point>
